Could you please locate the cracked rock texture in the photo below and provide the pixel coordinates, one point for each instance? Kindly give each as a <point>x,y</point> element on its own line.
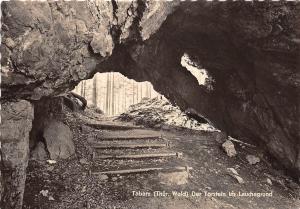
<point>48,47</point>
<point>15,127</point>
<point>250,51</point>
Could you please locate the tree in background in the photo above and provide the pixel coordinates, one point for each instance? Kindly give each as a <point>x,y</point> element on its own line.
<point>95,95</point>
<point>107,92</point>
<point>132,92</point>
<point>113,92</point>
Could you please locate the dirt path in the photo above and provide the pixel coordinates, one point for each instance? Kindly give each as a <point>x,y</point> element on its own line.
<point>72,184</point>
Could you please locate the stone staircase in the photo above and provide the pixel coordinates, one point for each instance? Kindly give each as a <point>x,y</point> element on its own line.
<point>127,150</point>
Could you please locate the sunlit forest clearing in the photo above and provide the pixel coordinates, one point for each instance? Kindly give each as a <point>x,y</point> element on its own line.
<point>113,93</point>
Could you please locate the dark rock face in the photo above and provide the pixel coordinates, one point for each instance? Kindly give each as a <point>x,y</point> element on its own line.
<point>45,110</point>
<point>49,136</point>
<point>15,127</point>
<point>59,140</point>
<point>250,51</point>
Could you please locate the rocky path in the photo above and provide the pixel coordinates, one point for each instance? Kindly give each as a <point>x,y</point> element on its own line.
<point>118,167</point>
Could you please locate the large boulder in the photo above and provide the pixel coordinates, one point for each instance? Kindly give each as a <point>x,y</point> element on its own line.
<point>39,152</point>
<point>59,140</point>
<point>16,122</point>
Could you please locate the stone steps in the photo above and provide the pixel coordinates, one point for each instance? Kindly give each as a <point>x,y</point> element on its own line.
<point>131,151</point>
<point>129,145</point>
<point>142,170</point>
<point>124,152</point>
<point>139,156</point>
<point>136,137</point>
<point>105,126</point>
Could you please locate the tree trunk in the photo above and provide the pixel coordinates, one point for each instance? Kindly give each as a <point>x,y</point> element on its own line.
<point>132,92</point>
<point>107,94</point>
<point>137,91</point>
<point>113,94</point>
<point>125,95</point>
<point>95,91</point>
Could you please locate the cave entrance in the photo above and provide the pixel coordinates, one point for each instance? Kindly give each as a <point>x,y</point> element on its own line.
<point>113,92</point>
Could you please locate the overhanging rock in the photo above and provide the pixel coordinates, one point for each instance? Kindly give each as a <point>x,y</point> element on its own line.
<point>250,51</point>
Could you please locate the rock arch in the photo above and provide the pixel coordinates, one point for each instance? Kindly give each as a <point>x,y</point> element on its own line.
<point>251,50</point>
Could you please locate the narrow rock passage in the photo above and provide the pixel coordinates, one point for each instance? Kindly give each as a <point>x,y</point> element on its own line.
<point>147,178</point>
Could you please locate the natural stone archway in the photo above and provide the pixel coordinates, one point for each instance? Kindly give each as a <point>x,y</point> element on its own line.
<point>250,50</point>
<point>254,66</point>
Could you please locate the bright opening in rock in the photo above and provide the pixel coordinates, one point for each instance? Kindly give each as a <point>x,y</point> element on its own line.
<point>113,93</point>
<point>199,73</point>
<point>127,100</point>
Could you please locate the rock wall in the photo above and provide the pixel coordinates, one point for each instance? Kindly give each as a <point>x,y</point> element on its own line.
<point>49,47</point>
<point>250,51</point>
<point>15,127</point>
